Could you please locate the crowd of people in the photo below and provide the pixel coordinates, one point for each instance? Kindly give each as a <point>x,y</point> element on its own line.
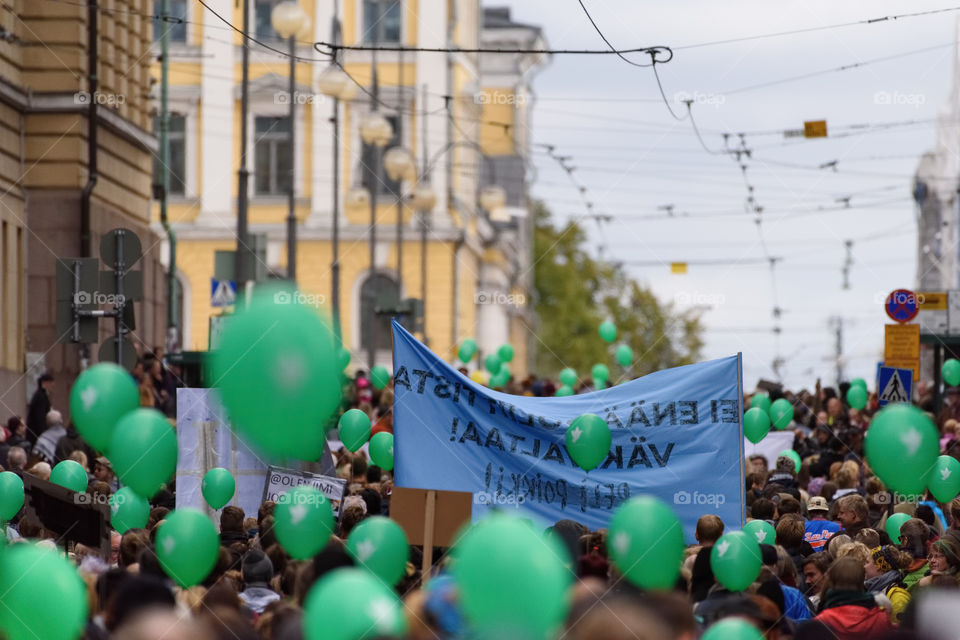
<point>832,571</point>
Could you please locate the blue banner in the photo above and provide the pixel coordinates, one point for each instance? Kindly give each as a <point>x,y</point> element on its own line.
<point>677,435</point>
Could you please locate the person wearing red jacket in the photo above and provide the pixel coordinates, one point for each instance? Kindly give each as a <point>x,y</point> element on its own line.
<point>846,608</point>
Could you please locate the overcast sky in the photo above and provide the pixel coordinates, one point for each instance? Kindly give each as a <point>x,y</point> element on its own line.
<point>633,157</point>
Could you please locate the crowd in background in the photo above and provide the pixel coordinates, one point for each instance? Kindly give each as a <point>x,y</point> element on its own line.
<point>832,570</point>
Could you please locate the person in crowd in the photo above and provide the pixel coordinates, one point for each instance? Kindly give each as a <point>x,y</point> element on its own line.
<point>848,479</point>
<point>103,472</point>
<point>763,509</point>
<point>709,529</point>
<point>790,536</point>
<point>45,448</point>
<point>71,441</point>
<point>39,408</point>
<point>257,573</point>
<point>852,513</point>
<point>814,570</point>
<point>915,538</point>
<point>884,575</point>
<point>817,529</point>
<point>232,531</point>
<point>17,434</point>
<point>778,561</point>
<point>943,559</point>
<point>785,475</point>
<point>16,460</point>
<point>847,610</point>
<point>40,470</point>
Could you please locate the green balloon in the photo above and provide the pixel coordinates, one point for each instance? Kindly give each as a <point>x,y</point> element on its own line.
<point>756,424</point>
<point>380,546</point>
<point>278,375</point>
<point>760,400</point>
<point>468,348</point>
<point>43,595</point>
<point>379,376</point>
<point>793,455</point>
<point>352,604</point>
<point>500,378</point>
<point>857,397</point>
<point>303,522</point>
<point>381,450</point>
<point>646,543</point>
<point>69,474</point>
<point>144,451</point>
<point>354,429</point>
<point>512,581</point>
<point>128,510</point>
<point>218,487</point>
<point>563,391</point>
<point>187,546</point>
<point>492,363</point>
<point>102,395</point>
<point>11,496</point>
<point>343,357</point>
<point>505,353</point>
<point>944,481</point>
<point>732,629</point>
<point>951,372</point>
<point>761,530</point>
<point>600,372</point>
<point>859,382</point>
<point>781,413</point>
<point>736,560</point>
<point>568,377</point>
<point>588,440</point>
<point>902,446</point>
<point>608,331</point>
<point>624,355</point>
<point>600,383</point>
<point>893,524</point>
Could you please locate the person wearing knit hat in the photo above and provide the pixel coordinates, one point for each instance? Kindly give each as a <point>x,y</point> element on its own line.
<point>257,572</point>
<point>884,573</point>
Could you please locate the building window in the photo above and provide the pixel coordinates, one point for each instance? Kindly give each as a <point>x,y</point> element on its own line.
<point>380,291</point>
<point>177,135</point>
<point>175,24</point>
<point>261,11</point>
<point>374,174</point>
<point>381,21</point>
<point>271,156</point>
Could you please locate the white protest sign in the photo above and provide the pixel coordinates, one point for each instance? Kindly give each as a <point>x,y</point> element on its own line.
<point>279,481</point>
<point>770,446</point>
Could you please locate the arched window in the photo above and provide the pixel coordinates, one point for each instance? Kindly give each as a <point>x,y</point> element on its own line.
<point>377,292</point>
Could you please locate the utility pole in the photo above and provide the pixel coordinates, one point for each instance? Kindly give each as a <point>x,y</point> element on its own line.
<point>335,120</point>
<point>424,218</point>
<point>172,329</point>
<point>243,236</point>
<point>836,323</point>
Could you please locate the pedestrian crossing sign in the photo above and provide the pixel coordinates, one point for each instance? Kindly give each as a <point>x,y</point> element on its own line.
<point>894,385</point>
<point>223,293</point>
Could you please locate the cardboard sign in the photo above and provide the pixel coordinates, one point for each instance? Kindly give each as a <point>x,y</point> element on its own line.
<point>453,509</point>
<point>280,480</point>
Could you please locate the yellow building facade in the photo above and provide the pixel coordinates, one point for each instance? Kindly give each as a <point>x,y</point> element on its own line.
<point>51,55</point>
<point>441,109</point>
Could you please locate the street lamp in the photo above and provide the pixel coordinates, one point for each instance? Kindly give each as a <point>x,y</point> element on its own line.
<point>375,130</point>
<point>334,83</point>
<point>288,19</point>
<point>423,199</point>
<point>400,165</point>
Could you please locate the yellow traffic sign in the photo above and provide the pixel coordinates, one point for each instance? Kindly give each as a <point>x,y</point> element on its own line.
<point>678,267</point>
<point>815,129</point>
<point>901,347</point>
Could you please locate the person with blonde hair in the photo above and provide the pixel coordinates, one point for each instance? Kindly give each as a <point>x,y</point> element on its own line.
<point>40,470</point>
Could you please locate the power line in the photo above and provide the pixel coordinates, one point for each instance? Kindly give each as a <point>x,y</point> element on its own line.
<point>491,50</point>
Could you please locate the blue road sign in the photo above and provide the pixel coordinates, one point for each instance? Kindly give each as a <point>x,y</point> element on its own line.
<point>894,385</point>
<point>901,305</point>
<point>223,293</point>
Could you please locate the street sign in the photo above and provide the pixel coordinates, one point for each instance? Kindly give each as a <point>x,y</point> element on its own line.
<point>678,268</point>
<point>932,312</point>
<point>815,129</point>
<point>223,293</point>
<point>120,241</point>
<point>894,385</point>
<point>901,347</point>
<point>901,305</point>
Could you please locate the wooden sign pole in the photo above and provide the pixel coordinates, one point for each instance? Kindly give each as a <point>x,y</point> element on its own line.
<point>429,514</point>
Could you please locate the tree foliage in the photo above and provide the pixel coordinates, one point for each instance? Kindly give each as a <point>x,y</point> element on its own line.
<point>575,293</point>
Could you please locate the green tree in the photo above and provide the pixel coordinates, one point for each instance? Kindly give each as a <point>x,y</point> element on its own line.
<point>575,293</point>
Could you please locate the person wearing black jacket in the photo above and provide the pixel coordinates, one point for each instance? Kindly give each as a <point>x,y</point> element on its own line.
<point>39,408</point>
